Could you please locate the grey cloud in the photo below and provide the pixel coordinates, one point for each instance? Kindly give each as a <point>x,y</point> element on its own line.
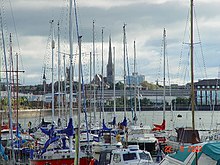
<point>144,21</point>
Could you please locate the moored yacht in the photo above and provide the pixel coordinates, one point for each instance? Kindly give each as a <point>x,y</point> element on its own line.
<point>130,155</point>
<point>142,136</point>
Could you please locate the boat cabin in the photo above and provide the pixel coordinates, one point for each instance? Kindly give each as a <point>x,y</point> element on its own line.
<point>187,135</point>
<point>121,156</point>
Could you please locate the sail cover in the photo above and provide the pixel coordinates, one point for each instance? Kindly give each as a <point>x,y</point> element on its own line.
<point>69,131</point>
<point>48,142</point>
<point>49,132</point>
<point>124,122</point>
<point>212,149</point>
<point>104,127</point>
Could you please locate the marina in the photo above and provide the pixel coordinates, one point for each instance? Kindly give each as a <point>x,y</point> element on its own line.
<point>91,109</point>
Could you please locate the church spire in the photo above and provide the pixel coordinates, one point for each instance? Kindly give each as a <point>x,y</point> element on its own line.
<point>110,64</point>
<point>110,52</point>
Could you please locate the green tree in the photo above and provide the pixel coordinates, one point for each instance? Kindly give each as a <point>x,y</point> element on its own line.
<point>181,101</point>
<point>119,85</point>
<point>150,86</point>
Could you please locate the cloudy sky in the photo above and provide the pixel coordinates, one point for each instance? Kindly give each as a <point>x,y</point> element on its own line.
<point>28,21</point>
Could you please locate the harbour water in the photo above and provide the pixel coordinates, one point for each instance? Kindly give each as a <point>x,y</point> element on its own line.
<point>205,120</point>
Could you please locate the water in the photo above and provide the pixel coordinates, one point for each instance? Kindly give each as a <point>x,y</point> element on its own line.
<point>203,119</point>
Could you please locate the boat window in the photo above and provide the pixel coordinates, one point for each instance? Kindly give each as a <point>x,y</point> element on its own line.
<point>144,156</point>
<point>108,156</point>
<point>105,158</point>
<point>129,156</point>
<point>116,158</point>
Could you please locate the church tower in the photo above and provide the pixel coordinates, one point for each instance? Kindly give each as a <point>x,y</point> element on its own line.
<point>110,65</point>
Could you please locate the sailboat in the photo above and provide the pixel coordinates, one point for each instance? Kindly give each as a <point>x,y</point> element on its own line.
<point>56,150</point>
<point>159,129</point>
<point>106,139</point>
<point>162,126</point>
<point>187,136</point>
<point>140,134</point>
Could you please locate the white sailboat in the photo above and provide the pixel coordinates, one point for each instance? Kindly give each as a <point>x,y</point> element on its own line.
<point>139,134</point>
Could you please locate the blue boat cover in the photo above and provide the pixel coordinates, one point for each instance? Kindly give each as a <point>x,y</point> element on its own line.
<point>104,127</point>
<point>114,121</point>
<point>69,131</point>
<point>124,122</point>
<point>48,142</point>
<point>181,155</point>
<point>211,149</point>
<point>64,142</point>
<point>49,132</point>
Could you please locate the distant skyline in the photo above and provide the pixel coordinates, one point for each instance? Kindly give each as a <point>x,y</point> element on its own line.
<point>145,21</point>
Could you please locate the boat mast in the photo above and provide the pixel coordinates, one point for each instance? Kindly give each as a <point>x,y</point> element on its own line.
<point>8,92</point>
<point>114,83</point>
<point>77,135</point>
<point>52,70</point>
<point>94,83</point>
<point>65,92</point>
<point>90,87</point>
<point>44,86</point>
<point>164,67</point>
<point>135,85</point>
<point>71,71</point>
<point>192,73</point>
<point>124,50</point>
<point>59,69</point>
<point>1,112</point>
<point>17,89</point>
<point>102,83</point>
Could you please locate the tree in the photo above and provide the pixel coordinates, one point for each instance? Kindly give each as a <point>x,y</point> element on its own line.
<point>181,101</point>
<point>119,85</point>
<point>146,102</point>
<point>149,86</point>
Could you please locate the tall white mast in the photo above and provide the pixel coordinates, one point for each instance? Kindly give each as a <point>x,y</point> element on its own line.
<point>71,69</point>
<point>114,82</point>
<point>94,83</point>
<point>9,98</point>
<point>164,85</point>
<point>124,50</point>
<point>77,136</point>
<point>65,92</point>
<point>102,87</point>
<point>135,84</point>
<point>59,69</point>
<point>8,92</point>
<point>52,70</point>
<point>90,86</point>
